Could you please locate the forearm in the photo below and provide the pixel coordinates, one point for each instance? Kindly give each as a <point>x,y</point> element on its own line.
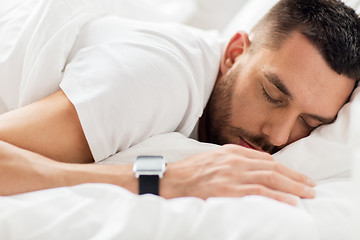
<point>25,171</point>
<point>117,174</point>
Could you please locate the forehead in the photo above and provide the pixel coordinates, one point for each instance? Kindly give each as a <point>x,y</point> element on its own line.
<point>315,87</point>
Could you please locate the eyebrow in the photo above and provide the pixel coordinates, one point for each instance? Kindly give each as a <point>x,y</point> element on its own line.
<point>274,79</point>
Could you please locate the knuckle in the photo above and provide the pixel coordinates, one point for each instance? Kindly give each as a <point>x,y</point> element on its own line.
<point>228,158</point>
<point>226,173</point>
<point>231,148</point>
<point>268,156</point>
<point>257,190</point>
<point>303,179</point>
<point>298,188</point>
<point>234,160</point>
<point>223,189</point>
<point>231,160</point>
<point>277,166</point>
<point>271,177</point>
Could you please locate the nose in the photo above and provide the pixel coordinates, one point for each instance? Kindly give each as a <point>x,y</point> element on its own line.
<point>278,128</point>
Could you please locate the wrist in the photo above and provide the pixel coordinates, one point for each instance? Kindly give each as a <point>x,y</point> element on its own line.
<point>171,185</point>
<point>116,174</point>
<point>149,170</point>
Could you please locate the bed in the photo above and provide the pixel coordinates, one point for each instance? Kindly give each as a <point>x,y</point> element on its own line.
<point>330,155</point>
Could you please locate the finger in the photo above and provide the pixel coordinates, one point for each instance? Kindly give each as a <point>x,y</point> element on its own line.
<point>279,182</point>
<point>255,189</point>
<point>247,152</point>
<point>282,169</point>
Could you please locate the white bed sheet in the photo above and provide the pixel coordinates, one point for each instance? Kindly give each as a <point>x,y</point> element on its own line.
<point>100,211</point>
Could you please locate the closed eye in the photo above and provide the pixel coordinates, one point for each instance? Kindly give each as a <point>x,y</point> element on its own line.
<point>307,124</point>
<point>269,98</point>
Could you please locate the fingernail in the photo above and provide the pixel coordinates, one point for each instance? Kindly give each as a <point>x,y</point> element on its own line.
<point>311,182</point>
<point>310,192</point>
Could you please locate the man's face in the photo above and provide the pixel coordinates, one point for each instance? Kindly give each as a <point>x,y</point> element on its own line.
<point>271,98</point>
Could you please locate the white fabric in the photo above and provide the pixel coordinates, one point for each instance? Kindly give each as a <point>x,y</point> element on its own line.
<point>99,211</point>
<point>131,80</point>
<point>34,30</point>
<point>356,200</point>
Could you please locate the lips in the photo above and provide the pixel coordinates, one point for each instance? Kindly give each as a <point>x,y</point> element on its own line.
<point>244,143</point>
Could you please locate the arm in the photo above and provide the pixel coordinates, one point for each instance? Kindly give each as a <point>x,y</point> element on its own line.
<point>50,129</point>
<point>23,171</point>
<point>230,171</point>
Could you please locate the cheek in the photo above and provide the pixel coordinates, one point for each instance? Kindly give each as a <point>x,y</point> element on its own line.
<point>247,106</point>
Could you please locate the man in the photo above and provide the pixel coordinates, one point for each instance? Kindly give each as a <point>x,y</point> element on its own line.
<point>294,75</point>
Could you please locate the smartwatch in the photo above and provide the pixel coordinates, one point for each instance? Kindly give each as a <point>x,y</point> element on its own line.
<point>148,169</point>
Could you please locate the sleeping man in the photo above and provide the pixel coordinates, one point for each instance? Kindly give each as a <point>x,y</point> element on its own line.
<point>125,81</point>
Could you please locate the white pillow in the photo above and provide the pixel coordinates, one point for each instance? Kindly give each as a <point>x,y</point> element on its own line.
<point>328,151</point>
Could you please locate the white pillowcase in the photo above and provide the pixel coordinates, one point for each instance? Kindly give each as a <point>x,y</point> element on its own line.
<point>328,151</point>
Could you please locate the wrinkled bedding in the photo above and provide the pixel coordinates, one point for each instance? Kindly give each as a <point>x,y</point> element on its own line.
<point>100,211</point>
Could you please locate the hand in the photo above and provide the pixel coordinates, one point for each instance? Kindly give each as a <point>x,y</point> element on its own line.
<point>234,171</point>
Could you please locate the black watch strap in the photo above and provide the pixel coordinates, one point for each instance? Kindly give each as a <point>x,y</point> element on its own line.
<point>149,184</point>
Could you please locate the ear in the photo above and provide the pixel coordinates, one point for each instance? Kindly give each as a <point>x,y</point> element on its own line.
<point>238,44</point>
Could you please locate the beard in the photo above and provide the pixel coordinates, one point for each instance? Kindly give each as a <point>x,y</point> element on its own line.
<point>219,112</point>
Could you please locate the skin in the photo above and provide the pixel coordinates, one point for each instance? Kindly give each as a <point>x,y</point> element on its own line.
<point>49,148</point>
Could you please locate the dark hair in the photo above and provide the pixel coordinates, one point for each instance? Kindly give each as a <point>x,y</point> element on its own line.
<point>331,26</point>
